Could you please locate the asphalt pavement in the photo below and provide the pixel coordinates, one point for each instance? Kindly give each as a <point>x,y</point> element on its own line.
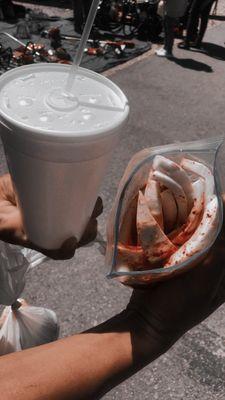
<point>171,101</point>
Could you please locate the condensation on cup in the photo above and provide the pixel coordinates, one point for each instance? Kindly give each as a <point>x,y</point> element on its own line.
<point>58,146</point>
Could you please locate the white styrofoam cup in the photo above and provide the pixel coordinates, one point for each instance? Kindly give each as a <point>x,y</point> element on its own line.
<point>57,167</point>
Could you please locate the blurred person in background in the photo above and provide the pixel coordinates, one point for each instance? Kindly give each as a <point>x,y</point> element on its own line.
<point>173,9</point>
<point>81,9</point>
<point>197,23</point>
<point>10,11</point>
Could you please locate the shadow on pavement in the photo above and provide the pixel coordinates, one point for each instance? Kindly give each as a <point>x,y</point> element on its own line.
<point>210,49</point>
<point>217,17</point>
<point>189,63</point>
<point>214,50</point>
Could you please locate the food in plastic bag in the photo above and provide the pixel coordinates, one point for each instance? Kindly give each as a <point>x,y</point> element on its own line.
<point>167,212</point>
<point>24,326</point>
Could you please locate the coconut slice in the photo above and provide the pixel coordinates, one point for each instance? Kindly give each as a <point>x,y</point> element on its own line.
<point>152,239</point>
<point>169,207</point>
<point>128,233</point>
<point>177,191</point>
<point>176,172</point>
<point>130,256</point>
<point>195,215</point>
<point>203,171</point>
<point>203,236</point>
<point>153,198</point>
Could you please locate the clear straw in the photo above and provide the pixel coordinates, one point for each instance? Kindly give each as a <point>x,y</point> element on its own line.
<point>82,44</point>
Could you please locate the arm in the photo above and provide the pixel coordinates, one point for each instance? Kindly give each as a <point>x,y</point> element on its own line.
<point>87,365</point>
<point>83,366</point>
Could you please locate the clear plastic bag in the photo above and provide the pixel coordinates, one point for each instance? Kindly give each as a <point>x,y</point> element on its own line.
<point>167,212</point>
<point>14,263</point>
<point>21,325</point>
<point>13,267</point>
<point>25,326</point>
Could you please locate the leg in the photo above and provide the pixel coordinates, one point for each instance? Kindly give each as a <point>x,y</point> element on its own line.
<point>204,22</point>
<point>184,19</point>
<point>169,24</point>
<point>193,20</point>
<point>78,8</point>
<point>87,5</point>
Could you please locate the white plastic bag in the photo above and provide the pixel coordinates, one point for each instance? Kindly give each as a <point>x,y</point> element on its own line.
<point>25,326</point>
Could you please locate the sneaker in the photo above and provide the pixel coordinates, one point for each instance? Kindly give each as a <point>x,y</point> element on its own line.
<point>197,45</point>
<point>184,45</point>
<point>163,53</point>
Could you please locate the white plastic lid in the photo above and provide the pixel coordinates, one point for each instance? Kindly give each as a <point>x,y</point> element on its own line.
<point>32,100</point>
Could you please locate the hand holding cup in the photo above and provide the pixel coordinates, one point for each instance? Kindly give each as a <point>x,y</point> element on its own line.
<point>12,229</point>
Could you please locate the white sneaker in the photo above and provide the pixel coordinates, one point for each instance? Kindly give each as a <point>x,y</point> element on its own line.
<point>163,53</point>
